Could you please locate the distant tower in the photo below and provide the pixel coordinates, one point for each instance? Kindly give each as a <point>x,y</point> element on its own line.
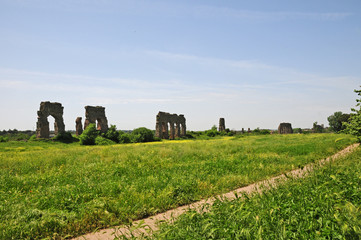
<point>222,125</point>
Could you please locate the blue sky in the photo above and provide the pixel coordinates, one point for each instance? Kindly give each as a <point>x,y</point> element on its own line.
<point>255,63</point>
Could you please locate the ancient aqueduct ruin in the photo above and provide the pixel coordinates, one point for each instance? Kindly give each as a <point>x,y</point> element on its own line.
<point>54,109</point>
<point>168,126</point>
<point>177,125</point>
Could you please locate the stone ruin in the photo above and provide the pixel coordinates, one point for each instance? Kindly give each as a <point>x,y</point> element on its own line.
<point>177,125</point>
<point>47,109</point>
<point>96,114</point>
<point>78,126</point>
<point>222,125</point>
<point>285,128</point>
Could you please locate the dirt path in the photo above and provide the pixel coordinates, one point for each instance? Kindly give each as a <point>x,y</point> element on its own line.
<point>148,225</point>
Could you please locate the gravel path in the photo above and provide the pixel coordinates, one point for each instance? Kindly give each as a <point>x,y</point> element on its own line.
<point>146,226</point>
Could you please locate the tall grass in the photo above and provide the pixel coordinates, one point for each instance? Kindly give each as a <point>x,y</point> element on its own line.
<point>325,205</point>
<point>57,190</point>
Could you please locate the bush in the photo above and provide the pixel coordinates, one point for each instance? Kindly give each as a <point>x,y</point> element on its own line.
<point>19,137</point>
<point>4,139</point>
<point>354,125</point>
<point>112,134</point>
<point>32,138</point>
<point>99,140</point>
<point>265,131</point>
<point>211,133</point>
<point>124,138</point>
<point>297,130</point>
<point>64,137</point>
<point>89,135</point>
<point>142,135</point>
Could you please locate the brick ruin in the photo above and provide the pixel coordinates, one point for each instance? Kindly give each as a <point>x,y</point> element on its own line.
<point>47,109</point>
<point>177,125</point>
<point>54,109</point>
<point>285,128</point>
<point>78,126</point>
<point>222,125</point>
<point>96,114</point>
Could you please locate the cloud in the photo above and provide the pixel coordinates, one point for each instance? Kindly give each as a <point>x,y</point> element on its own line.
<point>210,11</point>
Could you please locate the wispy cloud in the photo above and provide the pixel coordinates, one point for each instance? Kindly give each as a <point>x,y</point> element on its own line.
<point>176,9</point>
<point>211,11</point>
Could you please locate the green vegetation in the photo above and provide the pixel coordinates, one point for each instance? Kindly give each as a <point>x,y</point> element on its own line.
<point>336,121</point>
<point>89,135</point>
<point>354,125</point>
<point>325,205</point>
<point>317,128</point>
<point>50,189</point>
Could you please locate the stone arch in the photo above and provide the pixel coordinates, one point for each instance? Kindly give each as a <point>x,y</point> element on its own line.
<point>47,109</point>
<point>97,116</point>
<point>176,125</point>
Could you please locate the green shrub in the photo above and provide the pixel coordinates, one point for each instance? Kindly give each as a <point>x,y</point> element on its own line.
<point>265,132</point>
<point>297,130</point>
<point>354,125</point>
<point>89,135</point>
<point>112,134</point>
<point>64,137</point>
<point>142,135</point>
<point>32,138</point>
<point>99,140</point>
<point>211,133</point>
<point>4,139</point>
<point>124,138</point>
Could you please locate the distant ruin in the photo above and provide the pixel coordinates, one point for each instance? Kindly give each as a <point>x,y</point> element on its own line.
<point>285,128</point>
<point>177,125</point>
<point>47,109</point>
<point>78,126</point>
<point>96,114</point>
<point>222,125</point>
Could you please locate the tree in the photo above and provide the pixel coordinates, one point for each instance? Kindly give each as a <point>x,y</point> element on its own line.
<point>336,121</point>
<point>354,125</point>
<point>142,135</point>
<point>317,128</point>
<point>89,135</point>
<point>112,134</point>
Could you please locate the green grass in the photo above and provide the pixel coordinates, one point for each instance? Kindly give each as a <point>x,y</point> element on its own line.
<point>325,205</point>
<point>54,190</point>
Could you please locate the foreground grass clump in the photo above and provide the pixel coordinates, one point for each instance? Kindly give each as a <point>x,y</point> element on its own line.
<point>51,190</point>
<point>325,205</point>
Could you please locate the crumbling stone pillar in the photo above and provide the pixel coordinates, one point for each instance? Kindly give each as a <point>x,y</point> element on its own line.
<point>55,110</point>
<point>222,125</point>
<point>78,126</point>
<point>172,132</point>
<point>177,130</point>
<point>96,114</point>
<point>285,128</point>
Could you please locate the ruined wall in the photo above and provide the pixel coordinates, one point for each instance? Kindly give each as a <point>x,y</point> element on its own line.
<point>78,126</point>
<point>47,109</point>
<point>222,125</point>
<point>285,128</point>
<point>177,125</point>
<point>96,114</point>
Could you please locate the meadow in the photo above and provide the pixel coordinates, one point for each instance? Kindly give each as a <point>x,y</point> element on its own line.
<point>56,190</point>
<point>325,205</point>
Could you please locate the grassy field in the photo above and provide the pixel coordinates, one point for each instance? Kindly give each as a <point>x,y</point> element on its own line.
<point>54,190</point>
<point>325,205</point>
